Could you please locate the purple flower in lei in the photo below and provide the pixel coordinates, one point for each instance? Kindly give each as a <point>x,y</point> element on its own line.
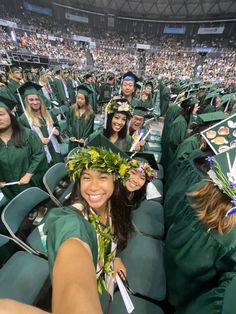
<point>210,159</point>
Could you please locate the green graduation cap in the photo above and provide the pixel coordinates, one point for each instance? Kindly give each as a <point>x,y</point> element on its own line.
<point>194,101</point>
<point>15,68</point>
<point>208,86</point>
<point>227,98</point>
<point>140,111</point>
<point>214,93</point>
<point>145,157</point>
<point>7,98</point>
<point>101,141</point>
<point>82,89</point>
<point>211,117</point>
<point>56,69</point>
<point>29,88</point>
<point>149,84</point>
<point>7,103</point>
<point>139,85</point>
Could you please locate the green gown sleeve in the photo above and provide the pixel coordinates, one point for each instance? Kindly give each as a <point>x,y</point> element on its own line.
<point>65,223</point>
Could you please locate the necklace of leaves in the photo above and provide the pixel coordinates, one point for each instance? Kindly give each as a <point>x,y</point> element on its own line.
<point>105,241</point>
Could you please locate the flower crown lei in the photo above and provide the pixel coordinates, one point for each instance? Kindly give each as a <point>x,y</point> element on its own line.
<point>143,168</point>
<point>119,105</point>
<point>99,159</point>
<point>225,182</point>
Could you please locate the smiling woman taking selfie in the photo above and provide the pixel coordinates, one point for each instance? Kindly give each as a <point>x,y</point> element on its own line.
<point>82,238</point>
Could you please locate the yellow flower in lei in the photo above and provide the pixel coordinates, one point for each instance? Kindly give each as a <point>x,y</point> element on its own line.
<point>94,154</point>
<point>71,166</point>
<point>123,169</point>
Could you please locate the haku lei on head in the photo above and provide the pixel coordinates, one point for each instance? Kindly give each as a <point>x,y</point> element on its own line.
<point>226,183</point>
<point>143,168</point>
<point>98,159</point>
<point>119,105</point>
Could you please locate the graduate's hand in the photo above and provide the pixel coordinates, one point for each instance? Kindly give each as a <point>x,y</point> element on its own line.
<point>118,265</point>
<point>45,140</point>
<point>81,141</point>
<point>139,145</point>
<point>72,139</point>
<point>55,132</point>
<point>26,178</point>
<point>2,184</point>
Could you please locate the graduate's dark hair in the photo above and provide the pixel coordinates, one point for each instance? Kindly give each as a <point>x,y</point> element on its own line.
<point>134,199</point>
<point>17,135</point>
<point>108,131</point>
<point>120,212</point>
<point>186,110</point>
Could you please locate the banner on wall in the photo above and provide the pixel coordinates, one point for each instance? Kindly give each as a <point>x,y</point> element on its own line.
<point>8,23</point>
<point>210,30</point>
<point>28,58</point>
<point>174,30</point>
<point>143,46</point>
<point>76,18</point>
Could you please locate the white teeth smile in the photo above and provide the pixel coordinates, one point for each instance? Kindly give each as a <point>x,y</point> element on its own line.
<point>95,197</point>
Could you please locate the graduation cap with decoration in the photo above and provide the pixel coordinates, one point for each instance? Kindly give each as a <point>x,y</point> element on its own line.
<point>221,136</point>
<point>223,175</point>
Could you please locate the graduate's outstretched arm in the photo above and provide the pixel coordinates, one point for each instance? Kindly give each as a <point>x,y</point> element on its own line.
<point>74,280</point>
<point>13,307</point>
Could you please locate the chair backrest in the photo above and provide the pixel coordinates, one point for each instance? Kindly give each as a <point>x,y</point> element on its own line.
<point>55,111</point>
<point>54,175</point>
<point>16,210</point>
<point>73,151</point>
<point>63,125</point>
<point>4,239</point>
<point>63,109</point>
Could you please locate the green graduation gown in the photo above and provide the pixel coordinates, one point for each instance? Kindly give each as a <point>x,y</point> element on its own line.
<point>181,154</point>
<point>15,162</point>
<point>56,157</point>
<point>176,135</point>
<point>186,175</point>
<point>169,118</point>
<point>64,223</point>
<point>200,266</point>
<point>80,128</point>
<point>59,92</point>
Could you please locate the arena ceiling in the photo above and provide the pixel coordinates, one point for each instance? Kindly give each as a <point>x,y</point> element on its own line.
<point>167,9</point>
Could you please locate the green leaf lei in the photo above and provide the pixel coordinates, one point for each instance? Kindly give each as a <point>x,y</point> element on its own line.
<point>104,243</point>
<point>99,159</point>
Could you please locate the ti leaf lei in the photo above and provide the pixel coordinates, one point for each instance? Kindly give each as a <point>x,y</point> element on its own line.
<point>105,261</point>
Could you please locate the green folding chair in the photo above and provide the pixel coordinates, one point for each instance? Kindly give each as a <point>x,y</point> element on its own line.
<point>17,210</point>
<point>23,276</point>
<point>51,179</point>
